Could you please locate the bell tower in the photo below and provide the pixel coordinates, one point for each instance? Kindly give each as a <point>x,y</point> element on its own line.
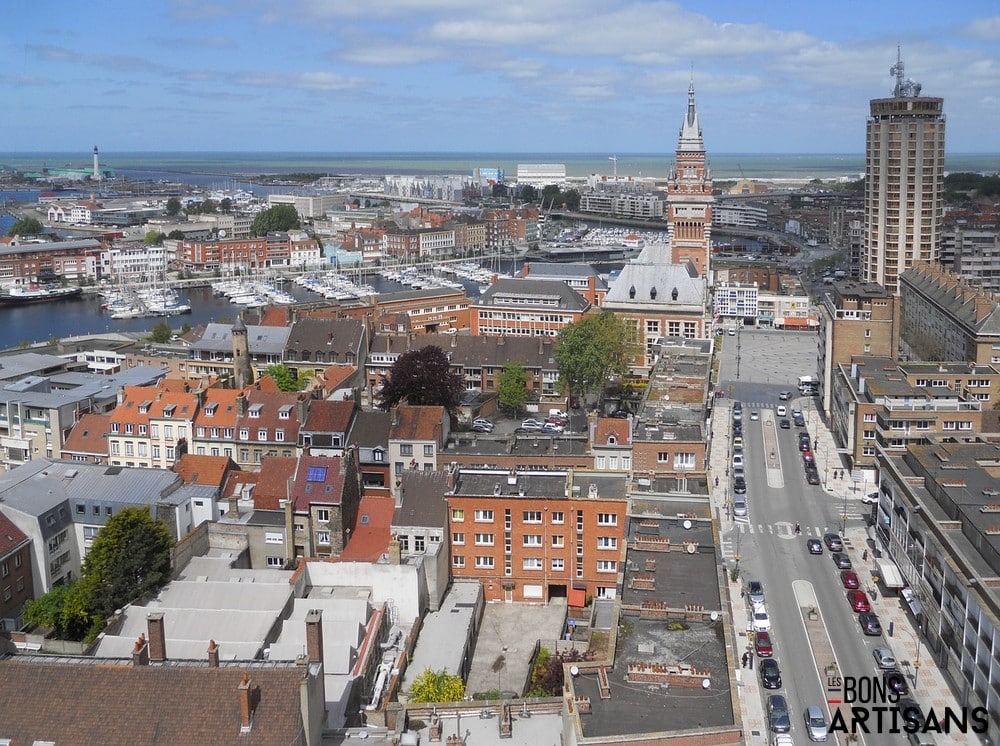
<point>689,196</point>
<point>242,372</point>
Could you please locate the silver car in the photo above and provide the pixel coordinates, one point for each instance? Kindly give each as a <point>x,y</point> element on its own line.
<point>816,726</point>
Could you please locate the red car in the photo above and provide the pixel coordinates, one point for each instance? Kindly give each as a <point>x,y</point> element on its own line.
<point>762,644</point>
<point>850,579</point>
<point>858,601</point>
<point>808,457</point>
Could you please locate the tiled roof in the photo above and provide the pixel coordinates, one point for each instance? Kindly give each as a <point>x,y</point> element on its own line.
<point>334,375</point>
<point>416,422</point>
<point>475,351</point>
<point>121,704</point>
<point>12,537</point>
<point>218,409</point>
<point>329,416</point>
<point>339,336</point>
<point>568,299</point>
<point>272,482</point>
<point>235,481</point>
<point>318,480</point>
<point>89,435</point>
<point>144,403</point>
<point>205,470</point>
<point>370,429</point>
<point>271,410</point>
<point>612,427</point>
<point>372,530</point>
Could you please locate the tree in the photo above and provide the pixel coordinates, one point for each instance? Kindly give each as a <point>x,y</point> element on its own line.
<point>571,198</point>
<point>529,193</point>
<point>422,376</point>
<point>129,559</point>
<point>284,377</point>
<point>512,386</point>
<point>152,238</point>
<point>25,227</point>
<point>173,206</point>
<point>592,350</point>
<point>277,218</point>
<point>226,205</point>
<point>437,686</point>
<point>176,235</point>
<point>162,332</point>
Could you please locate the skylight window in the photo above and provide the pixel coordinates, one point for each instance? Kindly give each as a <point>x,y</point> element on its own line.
<point>316,474</point>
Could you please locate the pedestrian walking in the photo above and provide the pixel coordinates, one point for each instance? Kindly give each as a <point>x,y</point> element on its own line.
<point>745,656</point>
<point>864,556</point>
<point>798,529</point>
<point>750,660</point>
<point>743,592</point>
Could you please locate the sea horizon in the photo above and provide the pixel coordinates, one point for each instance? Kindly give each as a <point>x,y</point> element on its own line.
<point>166,165</point>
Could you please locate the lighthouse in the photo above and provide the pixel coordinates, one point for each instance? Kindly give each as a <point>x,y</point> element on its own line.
<point>97,167</point>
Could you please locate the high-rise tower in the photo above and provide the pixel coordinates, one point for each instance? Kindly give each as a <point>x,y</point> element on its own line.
<point>97,165</point>
<point>904,182</point>
<point>689,196</point>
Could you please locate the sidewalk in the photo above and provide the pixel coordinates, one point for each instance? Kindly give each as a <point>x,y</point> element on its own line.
<point>927,684</point>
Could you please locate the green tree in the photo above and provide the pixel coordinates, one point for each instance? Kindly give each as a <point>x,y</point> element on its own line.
<point>437,686</point>
<point>129,559</point>
<point>173,206</point>
<point>593,350</point>
<point>571,198</point>
<point>529,193</point>
<point>46,610</point>
<point>284,377</point>
<point>162,332</point>
<point>25,227</point>
<point>176,235</point>
<point>152,238</point>
<point>512,387</point>
<point>226,205</point>
<point>277,218</point>
<point>421,376</point>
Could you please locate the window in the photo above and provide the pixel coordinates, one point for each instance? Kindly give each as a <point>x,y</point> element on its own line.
<point>428,450</point>
<point>601,462</point>
<point>323,515</point>
<point>90,532</point>
<point>868,451</point>
<point>458,561</point>
<point>457,515</point>
<point>484,516</point>
<point>275,561</point>
<point>868,333</point>
<point>129,428</point>
<point>684,461</point>
<point>5,569</point>
<point>170,452</point>
<point>869,417</point>
<point>558,516</point>
<point>607,566</point>
<point>129,448</point>
<point>142,429</point>
<point>81,509</point>
<point>532,516</point>
<point>115,448</point>
<point>484,540</point>
<point>532,540</point>
<point>532,563</point>
<point>607,542</point>
<point>558,541</point>
<point>279,434</point>
<point>485,563</point>
<point>17,560</point>
<point>457,537</point>
<point>323,537</point>
<point>406,449</point>
<point>244,433</point>
<point>419,544</point>
<point>607,519</point>
<point>200,432</point>
<point>558,564</point>
<point>868,434</point>
<point>168,432</point>
<point>262,433</point>
<point>156,451</point>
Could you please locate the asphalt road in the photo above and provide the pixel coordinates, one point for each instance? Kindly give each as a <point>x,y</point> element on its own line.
<point>778,498</point>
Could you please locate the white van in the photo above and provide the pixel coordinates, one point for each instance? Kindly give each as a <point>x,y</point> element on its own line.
<point>558,413</point>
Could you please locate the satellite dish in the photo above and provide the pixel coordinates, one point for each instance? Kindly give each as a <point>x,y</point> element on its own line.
<point>715,616</point>
<point>687,525</point>
<point>574,671</point>
<point>222,233</point>
<point>706,683</point>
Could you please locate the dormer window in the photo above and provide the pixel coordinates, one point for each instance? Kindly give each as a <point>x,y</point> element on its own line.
<point>144,406</point>
<point>210,410</point>
<point>168,411</point>
<point>612,440</point>
<point>285,412</point>
<point>673,294</point>
<point>255,411</point>
<point>631,292</point>
<point>652,292</point>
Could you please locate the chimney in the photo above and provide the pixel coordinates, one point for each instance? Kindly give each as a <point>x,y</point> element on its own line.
<point>140,653</point>
<point>246,704</point>
<point>234,507</point>
<point>157,639</point>
<point>314,635</point>
<point>395,555</point>
<point>241,405</point>
<point>213,654</point>
<point>301,406</point>
<point>501,340</point>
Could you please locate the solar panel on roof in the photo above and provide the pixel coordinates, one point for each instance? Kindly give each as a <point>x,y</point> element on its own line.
<point>316,474</point>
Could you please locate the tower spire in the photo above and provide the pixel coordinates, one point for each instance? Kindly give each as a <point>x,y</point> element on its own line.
<point>690,136</point>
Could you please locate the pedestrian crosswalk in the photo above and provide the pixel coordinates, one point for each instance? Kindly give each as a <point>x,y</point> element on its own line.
<point>779,530</point>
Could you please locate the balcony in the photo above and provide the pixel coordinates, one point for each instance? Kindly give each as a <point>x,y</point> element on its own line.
<point>932,405</point>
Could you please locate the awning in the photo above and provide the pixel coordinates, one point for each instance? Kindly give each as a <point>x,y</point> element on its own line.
<point>887,570</point>
<point>792,321</point>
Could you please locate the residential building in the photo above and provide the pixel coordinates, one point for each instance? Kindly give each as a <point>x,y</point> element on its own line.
<point>23,264</point>
<point>133,262</point>
<point>318,342</point>
<point>944,318</point>
<point>417,433</point>
<point>327,427</point>
<point>88,440</point>
<point>307,206</point>
<point>273,250</point>
<point>267,423</point>
<point>535,535</point>
<point>214,424</point>
<point>689,197</point>
<point>431,310</point>
<point>583,278</point>
<point>737,213</point>
<point>323,504</point>
<point>370,438</point>
<point>524,307</point>
<point>151,426</point>
<point>16,575</point>
<point>904,182</point>
<point>624,205</point>
<point>611,444</point>
<point>420,528</point>
<point>854,318</point>
<point>541,174</point>
<point>974,256</point>
<point>658,300</point>
<point>212,354</point>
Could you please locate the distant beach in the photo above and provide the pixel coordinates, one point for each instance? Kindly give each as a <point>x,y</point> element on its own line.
<point>215,169</point>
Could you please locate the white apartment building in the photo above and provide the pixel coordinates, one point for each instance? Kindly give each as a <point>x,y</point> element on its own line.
<point>134,262</point>
<point>541,174</point>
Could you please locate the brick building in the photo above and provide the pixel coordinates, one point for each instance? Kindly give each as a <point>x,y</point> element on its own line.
<point>16,585</point>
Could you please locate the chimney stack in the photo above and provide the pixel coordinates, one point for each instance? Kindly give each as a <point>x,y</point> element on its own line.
<point>157,639</point>
<point>213,654</point>
<point>140,653</point>
<point>314,635</point>
<point>395,553</point>
<point>246,704</point>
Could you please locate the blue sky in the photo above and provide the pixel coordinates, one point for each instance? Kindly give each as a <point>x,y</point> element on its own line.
<point>512,76</point>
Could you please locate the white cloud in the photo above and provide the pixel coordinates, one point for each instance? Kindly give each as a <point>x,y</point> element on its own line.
<point>987,29</point>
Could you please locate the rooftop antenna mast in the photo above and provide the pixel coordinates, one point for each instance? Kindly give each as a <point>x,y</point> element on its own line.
<point>905,87</point>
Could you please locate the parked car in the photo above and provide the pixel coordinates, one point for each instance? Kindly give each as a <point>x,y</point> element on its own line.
<point>763,645</point>
<point>833,542</point>
<point>732,332</point>
<point>777,714</point>
<point>482,428</point>
<point>549,429</point>
<point>782,739</point>
<point>816,725</point>
<point>804,443</point>
<point>884,658</point>
<point>782,410</point>
<point>808,457</point>
<point>737,459</point>
<point>815,546</point>
<point>532,422</point>
<point>869,623</point>
<point>841,560</point>
<point>799,420</point>
<point>784,396</point>
<point>738,442</point>
<point>740,506</point>
<point>761,619</point>
<point>737,416</point>
<point>556,421</point>
<point>755,592</point>
<point>482,421</point>
<point>739,486</point>
<point>737,430</point>
<point>859,601</point>
<point>849,579</point>
<point>770,674</point>
<point>896,682</point>
<point>784,424</point>
<point>812,476</point>
<point>558,413</point>
<point>911,710</point>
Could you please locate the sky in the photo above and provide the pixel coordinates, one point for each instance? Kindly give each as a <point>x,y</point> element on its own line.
<point>518,76</point>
